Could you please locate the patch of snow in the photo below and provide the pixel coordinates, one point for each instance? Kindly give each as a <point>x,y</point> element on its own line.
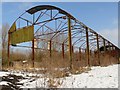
<point>38,83</point>
<point>2,73</point>
<point>4,83</point>
<point>97,77</point>
<point>24,61</point>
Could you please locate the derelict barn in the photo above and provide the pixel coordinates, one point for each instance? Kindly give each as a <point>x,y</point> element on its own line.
<point>56,34</point>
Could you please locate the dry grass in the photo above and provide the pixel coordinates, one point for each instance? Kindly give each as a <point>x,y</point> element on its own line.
<point>53,83</point>
<point>57,67</point>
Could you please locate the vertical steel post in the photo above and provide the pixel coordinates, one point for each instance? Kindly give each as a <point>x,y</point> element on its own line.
<point>87,44</point>
<point>72,49</point>
<point>104,45</point>
<point>70,42</point>
<point>50,49</point>
<point>33,52</point>
<point>19,23</point>
<point>63,50</point>
<point>27,23</point>
<point>90,52</point>
<point>79,53</point>
<point>98,51</point>
<point>51,13</point>
<point>109,46</point>
<point>112,47</point>
<point>109,52</point>
<point>8,52</point>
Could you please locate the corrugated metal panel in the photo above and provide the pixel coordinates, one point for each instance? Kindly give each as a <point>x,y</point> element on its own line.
<point>13,27</point>
<point>24,34</point>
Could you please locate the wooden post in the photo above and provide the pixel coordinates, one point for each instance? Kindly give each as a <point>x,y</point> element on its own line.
<point>109,52</point>
<point>104,45</point>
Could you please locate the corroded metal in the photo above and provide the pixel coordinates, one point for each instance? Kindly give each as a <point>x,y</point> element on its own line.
<point>98,51</point>
<point>56,30</point>
<point>33,52</point>
<point>70,42</point>
<point>87,47</point>
<point>8,52</point>
<point>63,51</point>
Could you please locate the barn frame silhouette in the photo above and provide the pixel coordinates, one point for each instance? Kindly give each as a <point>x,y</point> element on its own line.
<point>59,31</point>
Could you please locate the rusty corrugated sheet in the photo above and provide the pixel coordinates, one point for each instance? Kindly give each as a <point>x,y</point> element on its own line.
<point>24,34</point>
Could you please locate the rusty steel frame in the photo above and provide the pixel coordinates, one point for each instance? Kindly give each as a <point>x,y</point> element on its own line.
<point>77,34</point>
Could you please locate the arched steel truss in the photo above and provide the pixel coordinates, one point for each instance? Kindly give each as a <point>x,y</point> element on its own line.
<point>54,25</point>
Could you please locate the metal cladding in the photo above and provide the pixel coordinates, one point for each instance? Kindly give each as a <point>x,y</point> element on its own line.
<point>12,28</point>
<point>24,34</point>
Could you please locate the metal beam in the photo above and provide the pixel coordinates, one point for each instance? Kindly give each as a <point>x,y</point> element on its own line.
<point>33,52</point>
<point>109,46</point>
<point>87,47</point>
<point>50,48</point>
<point>104,44</point>
<point>70,42</point>
<point>63,50</point>
<point>8,52</point>
<point>98,51</point>
<point>79,53</point>
<point>73,49</point>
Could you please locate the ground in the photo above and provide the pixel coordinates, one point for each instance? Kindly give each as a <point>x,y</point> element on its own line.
<point>97,77</point>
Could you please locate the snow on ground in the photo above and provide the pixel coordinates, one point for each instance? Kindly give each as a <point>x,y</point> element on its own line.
<point>2,73</point>
<point>98,77</point>
<point>3,83</point>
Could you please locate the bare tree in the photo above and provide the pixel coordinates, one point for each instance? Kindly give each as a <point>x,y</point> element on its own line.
<point>5,28</point>
<point>4,39</point>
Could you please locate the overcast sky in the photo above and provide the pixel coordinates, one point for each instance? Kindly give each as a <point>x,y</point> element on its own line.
<point>101,17</point>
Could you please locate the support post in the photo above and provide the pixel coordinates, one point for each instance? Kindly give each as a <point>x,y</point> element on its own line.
<point>87,44</point>
<point>90,52</point>
<point>70,42</point>
<point>109,52</point>
<point>104,45</point>
<point>98,50</point>
<point>33,52</point>
<point>109,46</point>
<point>112,47</point>
<point>27,23</point>
<point>72,49</point>
<point>8,52</point>
<point>79,53</point>
<point>50,49</point>
<point>63,50</point>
